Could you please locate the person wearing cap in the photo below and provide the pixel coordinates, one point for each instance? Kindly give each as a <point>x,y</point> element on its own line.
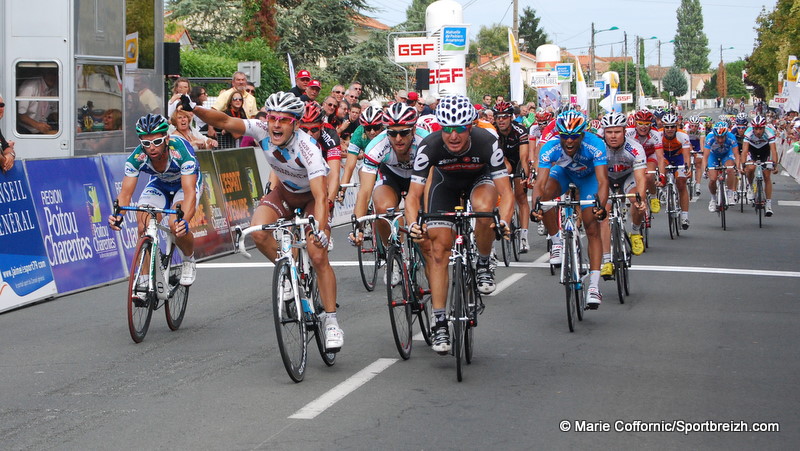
<point>312,91</point>
<point>302,81</point>
<point>402,96</point>
<point>239,84</point>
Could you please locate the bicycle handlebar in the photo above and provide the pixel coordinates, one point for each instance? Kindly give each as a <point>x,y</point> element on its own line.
<point>282,223</point>
<point>450,215</point>
<point>153,211</point>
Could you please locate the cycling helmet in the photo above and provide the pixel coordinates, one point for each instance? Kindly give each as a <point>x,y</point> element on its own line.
<point>285,102</point>
<point>613,119</point>
<point>643,116</point>
<point>631,120</point>
<point>371,116</point>
<point>312,113</point>
<point>759,121</point>
<point>503,108</point>
<point>151,124</point>
<point>544,116</point>
<point>669,119</point>
<point>400,114</point>
<point>741,119</point>
<point>659,113</point>
<point>720,129</point>
<point>454,111</point>
<point>694,120</point>
<point>571,123</point>
<point>594,125</point>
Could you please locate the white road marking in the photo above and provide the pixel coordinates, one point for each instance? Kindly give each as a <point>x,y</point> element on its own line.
<point>334,395</point>
<point>789,203</point>
<point>418,337</point>
<point>545,258</point>
<point>507,282</point>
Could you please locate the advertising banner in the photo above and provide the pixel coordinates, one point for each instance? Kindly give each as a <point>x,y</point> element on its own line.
<point>25,274</point>
<point>114,168</point>
<point>72,210</point>
<point>564,71</point>
<point>454,40</point>
<point>544,79</point>
<point>416,50</point>
<point>241,184</point>
<point>625,97</point>
<point>210,223</point>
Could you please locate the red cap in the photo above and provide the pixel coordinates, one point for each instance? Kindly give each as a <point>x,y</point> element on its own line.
<point>478,106</point>
<point>304,74</point>
<point>413,96</point>
<point>314,84</point>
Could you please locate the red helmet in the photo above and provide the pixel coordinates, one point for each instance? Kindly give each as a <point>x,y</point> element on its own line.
<point>312,113</point>
<point>503,108</point>
<point>631,120</point>
<point>400,114</point>
<point>643,116</point>
<point>544,116</point>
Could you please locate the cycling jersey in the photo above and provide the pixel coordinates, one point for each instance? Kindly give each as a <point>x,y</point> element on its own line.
<point>181,162</point>
<point>296,164</point>
<point>379,155</point>
<point>483,155</point>
<point>623,161</point>
<point>694,136</point>
<point>767,138</point>
<point>549,132</point>
<point>719,154</point>
<point>510,143</point>
<point>651,142</point>
<point>592,153</point>
<point>358,141</point>
<point>534,133</point>
<point>329,143</point>
<point>674,147</point>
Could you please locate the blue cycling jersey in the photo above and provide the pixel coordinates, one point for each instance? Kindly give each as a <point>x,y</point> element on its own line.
<point>592,153</point>
<point>727,147</point>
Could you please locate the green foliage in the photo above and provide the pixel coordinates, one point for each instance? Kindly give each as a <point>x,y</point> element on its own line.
<point>494,82</point>
<point>778,36</point>
<point>675,82</point>
<point>367,63</point>
<point>691,43</point>
<point>647,84</point>
<point>493,40</point>
<point>415,16</point>
<point>140,18</point>
<point>530,30</point>
<point>209,21</point>
<point>259,20</point>
<point>735,86</point>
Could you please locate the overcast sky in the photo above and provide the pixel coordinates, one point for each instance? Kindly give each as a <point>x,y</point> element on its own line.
<point>728,23</point>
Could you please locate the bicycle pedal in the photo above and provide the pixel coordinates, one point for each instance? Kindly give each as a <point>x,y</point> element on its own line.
<point>608,277</point>
<point>592,306</point>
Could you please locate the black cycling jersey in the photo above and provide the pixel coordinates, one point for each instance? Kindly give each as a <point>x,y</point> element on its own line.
<point>517,134</point>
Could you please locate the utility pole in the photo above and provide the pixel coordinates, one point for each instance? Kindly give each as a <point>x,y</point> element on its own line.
<point>591,57</point>
<point>515,27</point>
<point>660,72</point>
<point>625,52</point>
<point>638,62</point>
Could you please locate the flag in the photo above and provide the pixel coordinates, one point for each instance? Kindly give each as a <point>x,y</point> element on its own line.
<point>580,86</point>
<point>515,69</point>
<point>612,86</point>
<point>640,101</point>
<point>291,70</point>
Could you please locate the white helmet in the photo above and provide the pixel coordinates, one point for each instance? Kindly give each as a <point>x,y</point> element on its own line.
<point>614,119</point>
<point>455,110</point>
<point>285,102</point>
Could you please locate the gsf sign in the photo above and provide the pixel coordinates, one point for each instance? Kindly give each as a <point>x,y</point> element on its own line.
<point>446,75</point>
<point>414,50</point>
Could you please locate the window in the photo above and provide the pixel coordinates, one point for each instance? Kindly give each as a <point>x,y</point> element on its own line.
<point>37,98</point>
<point>98,97</point>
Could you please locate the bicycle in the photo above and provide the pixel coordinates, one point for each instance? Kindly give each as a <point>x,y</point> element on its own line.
<point>408,296</point>
<point>673,202</point>
<point>464,299</point>
<point>511,246</point>
<point>741,190</point>
<point>154,279</point>
<point>759,195</point>
<point>370,253</point>
<point>691,182</point>
<point>722,198</point>
<point>621,250</point>
<point>297,307</point>
<point>574,267</point>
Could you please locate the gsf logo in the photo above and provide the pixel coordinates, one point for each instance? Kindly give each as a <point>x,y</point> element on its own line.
<point>414,49</point>
<point>446,75</point>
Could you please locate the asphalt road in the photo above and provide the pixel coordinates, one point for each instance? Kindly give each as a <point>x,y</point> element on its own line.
<point>709,335</point>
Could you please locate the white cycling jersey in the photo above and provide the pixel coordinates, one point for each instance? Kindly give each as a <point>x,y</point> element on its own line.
<point>379,151</point>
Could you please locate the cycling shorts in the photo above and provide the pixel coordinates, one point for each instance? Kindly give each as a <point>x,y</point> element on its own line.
<point>160,194</point>
<point>626,184</point>
<point>446,193</point>
<point>587,186</point>
<point>758,153</point>
<point>695,145</point>
<point>677,160</point>
<point>390,178</point>
<point>715,159</point>
<point>285,202</point>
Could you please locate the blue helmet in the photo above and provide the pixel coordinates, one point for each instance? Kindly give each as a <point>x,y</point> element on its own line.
<point>152,124</point>
<point>720,128</point>
<point>571,122</point>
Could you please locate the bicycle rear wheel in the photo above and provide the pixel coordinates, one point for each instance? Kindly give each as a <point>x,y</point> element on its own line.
<point>290,325</point>
<point>175,306</point>
<point>742,191</point>
<point>140,300</point>
<point>505,245</point>
<point>421,289</point>
<point>722,203</point>
<point>514,239</point>
<point>399,302</point>
<point>471,299</point>
<point>369,257</point>
<point>671,212</point>
<point>457,313</point>
<point>319,326</point>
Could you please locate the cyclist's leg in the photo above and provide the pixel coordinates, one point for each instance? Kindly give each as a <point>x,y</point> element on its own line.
<point>730,164</point>
<point>384,197</point>
<point>587,187</point>
<point>522,202</point>
<point>484,199</point>
<point>555,186</point>
<point>269,210</point>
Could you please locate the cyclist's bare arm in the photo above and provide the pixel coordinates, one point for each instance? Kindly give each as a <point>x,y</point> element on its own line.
<point>364,193</point>
<point>124,198</point>
<point>319,190</point>
<point>415,191</point>
<point>503,185</point>
<point>221,120</point>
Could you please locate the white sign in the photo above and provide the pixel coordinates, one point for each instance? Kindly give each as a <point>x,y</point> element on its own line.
<point>544,79</point>
<point>625,97</point>
<point>415,50</point>
<point>781,100</point>
<point>593,93</point>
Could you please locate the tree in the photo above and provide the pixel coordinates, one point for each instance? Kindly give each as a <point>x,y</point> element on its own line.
<point>209,20</point>
<point>674,82</point>
<point>732,77</point>
<point>366,63</point>
<point>647,84</point>
<point>530,31</point>
<point>778,36</point>
<point>691,43</point>
<point>259,20</point>
<point>415,15</point>
<point>494,82</point>
<point>493,40</point>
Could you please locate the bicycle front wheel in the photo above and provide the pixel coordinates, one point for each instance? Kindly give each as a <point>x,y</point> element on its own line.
<point>140,299</point>
<point>471,300</point>
<point>579,270</point>
<point>369,258</point>
<point>399,302</point>
<point>759,200</point>
<point>458,315</point>
<point>290,325</point>
<point>175,307</point>
<point>319,326</point>
<point>515,238</point>
<point>618,259</point>
<point>569,280</point>
<point>421,289</point>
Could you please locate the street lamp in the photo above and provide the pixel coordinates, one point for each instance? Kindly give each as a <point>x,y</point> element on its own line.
<point>639,62</point>
<point>591,49</point>
<point>661,76</point>
<point>720,51</point>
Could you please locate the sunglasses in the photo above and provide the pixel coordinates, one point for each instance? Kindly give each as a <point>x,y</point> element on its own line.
<point>754,128</point>
<point>236,99</point>
<point>570,135</point>
<point>670,126</point>
<point>403,133</point>
<point>330,104</point>
<point>282,120</point>
<point>314,129</point>
<point>155,142</point>
<point>2,105</point>
<point>644,123</point>
<point>251,91</point>
<point>338,92</point>
<point>459,129</point>
<point>373,128</point>
<point>502,116</point>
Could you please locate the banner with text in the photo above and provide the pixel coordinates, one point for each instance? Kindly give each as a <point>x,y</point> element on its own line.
<point>72,208</point>
<point>25,274</point>
<point>210,223</point>
<point>114,168</point>
<point>241,184</point>
<point>416,50</point>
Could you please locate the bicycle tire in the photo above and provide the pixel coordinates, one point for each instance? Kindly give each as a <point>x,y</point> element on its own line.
<point>568,272</point>
<point>742,188</point>
<point>578,277</point>
<point>421,289</point>
<point>369,258</point>
<point>759,201</point>
<point>175,305</point>
<point>515,238</point>
<point>670,211</point>
<point>549,248</point>
<point>471,309</point>
<point>648,218</point>
<point>140,310</point>
<point>722,203</point>
<point>505,246</point>
<point>628,258</point>
<point>399,303</point>
<point>290,326</point>
<point>618,260</point>
<point>319,328</point>
<point>457,313</point>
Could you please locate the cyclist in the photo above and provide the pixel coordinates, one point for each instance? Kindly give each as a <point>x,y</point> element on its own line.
<point>579,158</point>
<point>676,149</point>
<point>388,161</point>
<point>513,139</point>
<point>465,162</point>
<point>371,121</point>
<point>650,138</point>
<point>721,150</point>
<point>328,141</point>
<point>626,172</point>
<point>697,138</point>
<point>739,127</point>
<point>175,180</point>
<point>759,145</point>
<point>301,169</point>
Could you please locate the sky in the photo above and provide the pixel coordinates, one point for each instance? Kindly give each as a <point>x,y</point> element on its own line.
<point>727,23</point>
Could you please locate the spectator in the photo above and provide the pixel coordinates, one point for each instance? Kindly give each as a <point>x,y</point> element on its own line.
<point>250,89</point>
<point>352,97</point>
<point>312,91</point>
<point>302,79</point>
<point>338,92</point>
<point>7,154</point>
<point>239,85</point>
<point>199,95</point>
<point>401,96</point>
<point>179,88</point>
<point>499,99</point>
<point>37,116</point>
<point>355,88</point>
<point>112,119</point>
<point>343,116</point>
<point>329,108</point>
<point>352,121</point>
<point>233,108</point>
<point>181,126</point>
<point>487,102</point>
<point>364,104</point>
